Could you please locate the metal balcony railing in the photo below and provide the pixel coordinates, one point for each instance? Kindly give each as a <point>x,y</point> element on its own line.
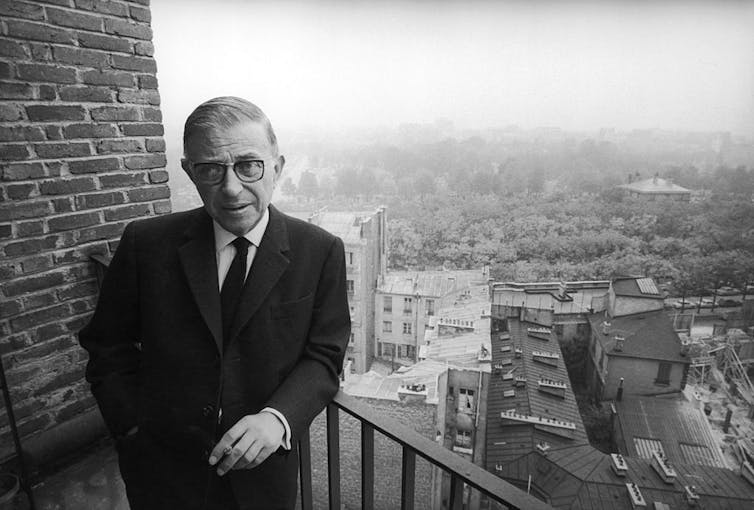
<point>460,470</point>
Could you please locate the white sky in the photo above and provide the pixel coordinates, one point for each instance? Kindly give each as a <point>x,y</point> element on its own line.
<point>576,65</point>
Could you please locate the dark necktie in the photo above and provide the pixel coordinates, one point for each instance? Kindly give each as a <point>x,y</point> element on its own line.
<point>233,284</point>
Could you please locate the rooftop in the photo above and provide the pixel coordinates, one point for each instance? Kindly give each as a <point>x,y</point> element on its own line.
<point>346,225</point>
<point>509,439</point>
<point>579,297</point>
<point>680,429</point>
<point>655,185</point>
<point>648,335</point>
<point>636,287</point>
<point>581,477</point>
<point>430,283</point>
<point>462,350</point>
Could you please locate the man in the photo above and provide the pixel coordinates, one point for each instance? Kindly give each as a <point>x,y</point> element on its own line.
<point>220,332</point>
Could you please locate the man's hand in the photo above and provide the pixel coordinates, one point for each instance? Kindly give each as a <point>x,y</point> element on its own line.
<point>248,443</point>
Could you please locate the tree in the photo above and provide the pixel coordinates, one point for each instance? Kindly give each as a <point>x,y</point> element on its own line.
<point>307,184</point>
<point>288,188</point>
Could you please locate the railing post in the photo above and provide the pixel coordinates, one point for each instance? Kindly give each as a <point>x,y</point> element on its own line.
<point>455,502</point>
<point>305,471</point>
<point>367,466</point>
<point>408,477</point>
<point>333,456</point>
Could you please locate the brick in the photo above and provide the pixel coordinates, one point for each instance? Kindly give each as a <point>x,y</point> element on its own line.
<point>6,231</point>
<point>103,7</point>
<point>42,300</point>
<point>74,19</point>
<point>75,325</point>
<point>23,210</point>
<point>46,73</point>
<point>30,246</point>
<point>5,70</point>
<point>79,56</point>
<point>148,194</point>
<point>12,49</point>
<point>13,152</point>
<point>40,52</point>
<point>49,331</point>
<point>67,186</point>
<point>74,409</point>
<point>122,180</point>
<point>42,349</point>
<point>155,145</point>
<point>28,408</point>
<point>53,168</point>
<point>142,129</point>
<point>27,320</point>
<point>123,145</point>
<point>36,263</point>
<point>104,42</point>
<point>24,10</point>
<point>62,150</point>
<point>88,166</point>
<point>36,424</point>
<point>73,221</point>
<point>30,228</point>
<point>38,32</point>
<point>147,81</point>
<point>62,3</point>
<point>132,63</point>
<point>86,94</point>
<point>126,212</point>
<point>82,289</point>
<point>21,134</point>
<point>33,283</point>
<point>139,97</point>
<point>145,161</point>
<point>162,207</point>
<point>44,113</point>
<point>107,231</point>
<point>128,29</point>
<point>90,130</point>
<point>47,93</point>
<point>83,305</point>
<point>22,171</point>
<point>53,132</point>
<point>7,271</point>
<point>10,112</point>
<point>101,199</point>
<point>20,191</point>
<point>113,78</point>
<point>115,113</point>
<point>62,205</point>
<point>158,176</point>
<point>152,114</point>
<point>140,14</point>
<point>144,48</point>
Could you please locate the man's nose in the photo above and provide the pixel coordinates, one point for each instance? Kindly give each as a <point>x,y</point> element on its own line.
<point>231,184</point>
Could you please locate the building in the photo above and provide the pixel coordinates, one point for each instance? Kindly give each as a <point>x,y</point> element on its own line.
<point>633,344</point>
<point>580,477</point>
<point>656,189</point>
<point>364,236</point>
<point>406,301</point>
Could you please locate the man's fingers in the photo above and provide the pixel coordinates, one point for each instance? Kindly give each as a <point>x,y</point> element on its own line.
<point>224,446</point>
<point>237,453</point>
<point>262,456</point>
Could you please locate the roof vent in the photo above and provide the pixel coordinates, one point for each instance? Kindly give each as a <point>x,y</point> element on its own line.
<point>692,497</point>
<point>619,341</point>
<point>685,346</point>
<point>605,328</point>
<point>619,465</point>
<point>543,447</point>
<point>499,468</point>
<point>661,464</point>
<point>637,500</point>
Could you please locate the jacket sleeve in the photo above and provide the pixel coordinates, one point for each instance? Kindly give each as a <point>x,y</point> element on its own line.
<point>314,380</point>
<point>111,339</point>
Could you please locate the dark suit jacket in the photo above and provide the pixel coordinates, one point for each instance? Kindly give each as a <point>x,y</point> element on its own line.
<point>157,358</point>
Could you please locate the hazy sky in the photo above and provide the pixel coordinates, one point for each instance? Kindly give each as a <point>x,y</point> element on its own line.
<point>575,65</point>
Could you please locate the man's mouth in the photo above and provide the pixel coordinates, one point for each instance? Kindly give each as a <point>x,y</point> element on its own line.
<point>235,208</point>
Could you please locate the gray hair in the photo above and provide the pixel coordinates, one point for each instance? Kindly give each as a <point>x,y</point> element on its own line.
<point>226,112</point>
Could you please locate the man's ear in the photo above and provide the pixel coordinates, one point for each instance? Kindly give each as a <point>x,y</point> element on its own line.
<point>186,165</point>
<point>279,164</point>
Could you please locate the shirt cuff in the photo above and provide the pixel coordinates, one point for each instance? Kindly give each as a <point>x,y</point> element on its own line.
<point>287,435</point>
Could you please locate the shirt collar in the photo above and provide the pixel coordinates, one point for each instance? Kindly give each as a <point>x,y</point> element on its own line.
<point>223,238</point>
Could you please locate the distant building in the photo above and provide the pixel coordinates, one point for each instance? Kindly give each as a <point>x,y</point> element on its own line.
<point>406,301</point>
<point>633,344</point>
<point>581,477</point>
<point>656,189</point>
<point>364,236</point>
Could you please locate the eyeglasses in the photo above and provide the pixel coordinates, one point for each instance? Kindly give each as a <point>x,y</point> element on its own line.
<point>249,170</point>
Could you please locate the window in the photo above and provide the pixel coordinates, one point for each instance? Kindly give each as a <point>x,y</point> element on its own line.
<point>407,328</point>
<point>465,400</point>
<point>430,304</point>
<point>349,257</point>
<point>463,438</point>
<point>387,326</point>
<point>350,340</point>
<point>387,349</point>
<point>411,352</point>
<point>349,285</point>
<point>387,304</point>
<point>663,373</point>
<point>407,305</point>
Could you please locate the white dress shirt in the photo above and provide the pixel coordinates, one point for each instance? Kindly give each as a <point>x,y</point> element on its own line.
<point>225,252</point>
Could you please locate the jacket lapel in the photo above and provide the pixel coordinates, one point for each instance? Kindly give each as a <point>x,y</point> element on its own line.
<point>269,265</point>
<point>197,257</point>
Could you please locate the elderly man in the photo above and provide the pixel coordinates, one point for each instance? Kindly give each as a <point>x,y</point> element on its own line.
<point>220,332</point>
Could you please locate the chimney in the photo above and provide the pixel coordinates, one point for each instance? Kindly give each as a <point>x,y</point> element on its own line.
<point>619,396</point>
<point>685,345</point>
<point>605,328</point>
<point>619,341</point>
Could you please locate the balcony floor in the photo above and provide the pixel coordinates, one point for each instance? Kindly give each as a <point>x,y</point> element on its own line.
<point>92,482</point>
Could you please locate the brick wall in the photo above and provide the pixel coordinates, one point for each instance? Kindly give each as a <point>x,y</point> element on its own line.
<point>387,458</point>
<point>81,154</point>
